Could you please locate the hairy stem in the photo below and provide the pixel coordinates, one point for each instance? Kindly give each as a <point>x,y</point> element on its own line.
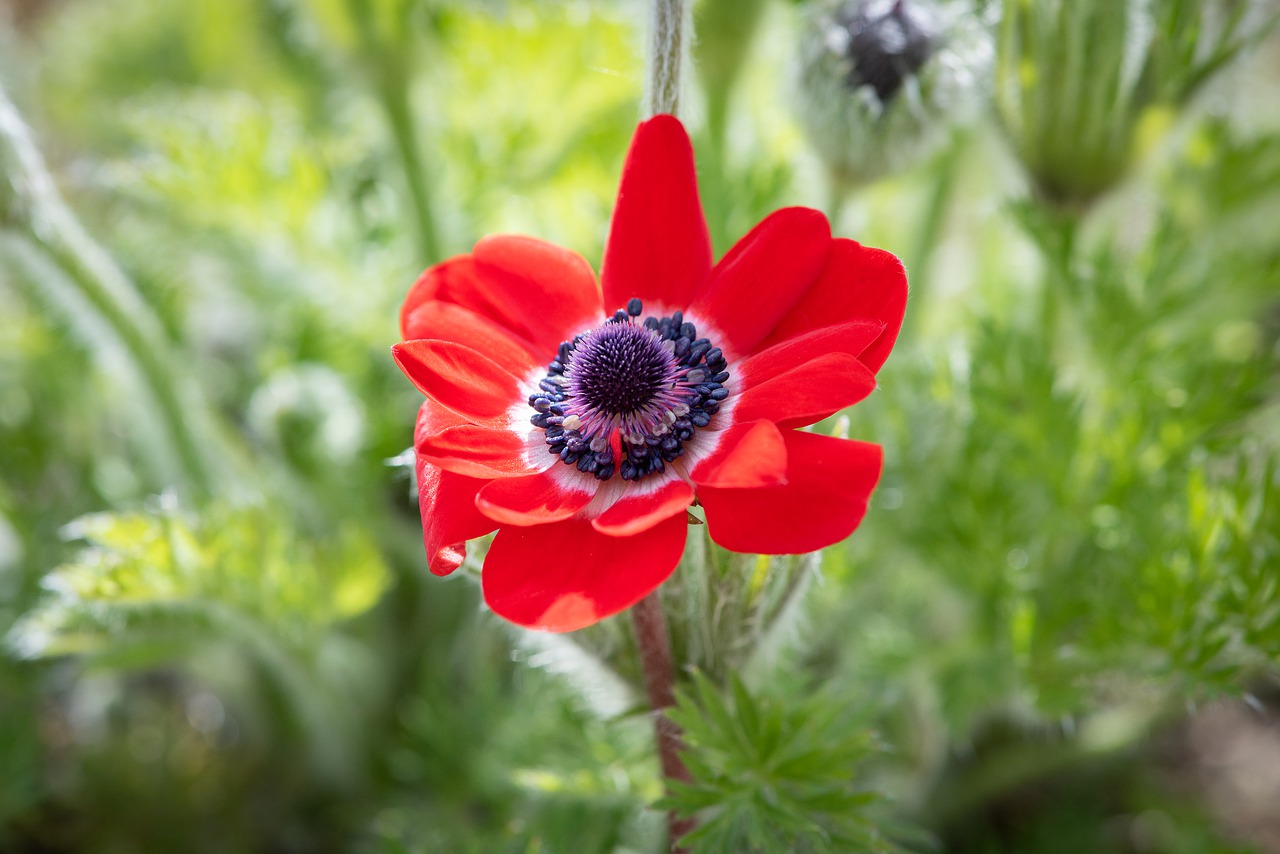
<point>654,646</point>
<point>667,45</point>
<point>666,56</point>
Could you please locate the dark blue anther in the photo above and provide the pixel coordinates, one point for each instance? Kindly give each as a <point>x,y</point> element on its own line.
<point>623,381</point>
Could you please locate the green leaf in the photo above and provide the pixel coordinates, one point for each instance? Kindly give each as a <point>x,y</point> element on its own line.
<point>774,771</point>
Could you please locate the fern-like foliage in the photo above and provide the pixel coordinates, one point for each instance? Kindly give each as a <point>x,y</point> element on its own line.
<point>161,576</point>
<point>774,772</point>
<point>232,594</point>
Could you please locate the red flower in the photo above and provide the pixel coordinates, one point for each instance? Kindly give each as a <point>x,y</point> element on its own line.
<point>580,424</point>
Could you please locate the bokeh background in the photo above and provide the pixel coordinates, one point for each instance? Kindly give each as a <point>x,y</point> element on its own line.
<point>1058,629</point>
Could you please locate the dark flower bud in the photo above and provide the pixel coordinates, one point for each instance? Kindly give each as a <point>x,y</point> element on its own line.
<point>880,81</point>
<point>885,46</point>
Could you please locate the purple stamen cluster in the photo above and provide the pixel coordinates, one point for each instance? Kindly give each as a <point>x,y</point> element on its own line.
<point>654,383</point>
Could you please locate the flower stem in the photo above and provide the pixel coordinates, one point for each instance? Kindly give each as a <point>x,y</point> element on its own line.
<point>388,58</point>
<point>654,646</point>
<point>667,47</point>
<point>395,101</point>
<point>666,56</point>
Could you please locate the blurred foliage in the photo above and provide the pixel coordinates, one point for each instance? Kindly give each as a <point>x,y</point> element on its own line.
<point>205,234</point>
<point>141,575</point>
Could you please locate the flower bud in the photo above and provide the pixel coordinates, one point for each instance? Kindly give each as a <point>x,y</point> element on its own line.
<point>1082,86</point>
<point>882,80</point>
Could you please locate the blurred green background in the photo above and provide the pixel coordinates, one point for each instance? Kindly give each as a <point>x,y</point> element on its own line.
<point>1058,629</point>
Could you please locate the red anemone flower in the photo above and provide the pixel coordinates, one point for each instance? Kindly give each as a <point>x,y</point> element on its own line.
<point>581,420</point>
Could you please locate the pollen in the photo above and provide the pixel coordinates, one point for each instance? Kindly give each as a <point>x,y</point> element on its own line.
<point>650,383</point>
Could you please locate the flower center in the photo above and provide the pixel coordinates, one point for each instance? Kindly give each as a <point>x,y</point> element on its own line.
<point>627,395</point>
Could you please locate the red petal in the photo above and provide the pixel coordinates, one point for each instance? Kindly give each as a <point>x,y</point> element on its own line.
<point>446,321</point>
<point>449,515</point>
<point>535,500</point>
<point>567,575</point>
<point>536,290</point>
<point>749,455</point>
<point>432,419</point>
<point>454,281</point>
<point>822,502</point>
<point>635,512</point>
<point>455,376</point>
<point>808,393</point>
<point>546,291</point>
<point>852,338</point>
<point>857,283</point>
<point>658,247</point>
<point>486,452</point>
<point>764,275</point>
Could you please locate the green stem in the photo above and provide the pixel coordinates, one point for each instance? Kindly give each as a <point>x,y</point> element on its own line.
<point>80,259</point>
<point>387,60</point>
<point>394,94</point>
<point>935,216</point>
<point>1059,284</point>
<point>666,56</point>
<point>38,211</point>
<point>837,196</point>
